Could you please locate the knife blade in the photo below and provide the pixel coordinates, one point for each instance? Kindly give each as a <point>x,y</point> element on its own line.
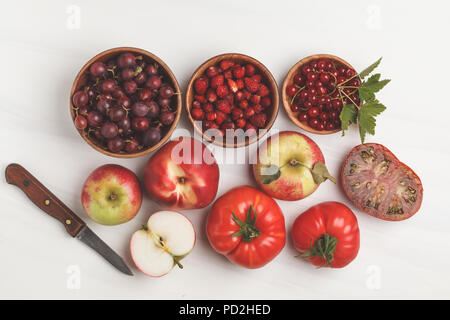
<point>49,203</point>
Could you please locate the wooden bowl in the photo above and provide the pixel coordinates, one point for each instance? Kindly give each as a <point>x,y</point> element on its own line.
<point>289,80</point>
<point>267,79</point>
<point>104,56</point>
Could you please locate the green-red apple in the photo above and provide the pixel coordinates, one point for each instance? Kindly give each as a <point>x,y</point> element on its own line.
<point>111,195</point>
<point>290,166</point>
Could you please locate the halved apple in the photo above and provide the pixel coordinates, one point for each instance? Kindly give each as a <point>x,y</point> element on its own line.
<point>167,238</point>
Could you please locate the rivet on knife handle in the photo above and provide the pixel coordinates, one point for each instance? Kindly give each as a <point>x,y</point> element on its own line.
<point>43,198</point>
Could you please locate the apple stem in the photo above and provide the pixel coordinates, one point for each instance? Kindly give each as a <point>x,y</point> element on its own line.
<point>178,263</point>
<point>112,196</point>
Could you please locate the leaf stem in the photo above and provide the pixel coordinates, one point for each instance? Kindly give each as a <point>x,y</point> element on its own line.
<point>350,99</point>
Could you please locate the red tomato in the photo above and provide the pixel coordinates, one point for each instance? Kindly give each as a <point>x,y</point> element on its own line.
<point>247,227</point>
<point>327,235</point>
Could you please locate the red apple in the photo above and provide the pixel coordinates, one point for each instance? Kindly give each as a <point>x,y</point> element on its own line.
<point>290,166</point>
<point>111,195</point>
<point>183,174</point>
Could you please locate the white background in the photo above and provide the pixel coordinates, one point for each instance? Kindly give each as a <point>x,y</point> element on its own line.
<point>42,50</point>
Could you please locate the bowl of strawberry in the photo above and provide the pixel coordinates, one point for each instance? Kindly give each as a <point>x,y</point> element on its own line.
<point>315,91</point>
<point>232,100</point>
<point>125,102</point>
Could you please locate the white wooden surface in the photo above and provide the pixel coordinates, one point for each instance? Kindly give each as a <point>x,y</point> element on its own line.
<point>44,44</point>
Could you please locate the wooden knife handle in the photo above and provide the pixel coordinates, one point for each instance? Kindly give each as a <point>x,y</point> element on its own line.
<point>43,198</point>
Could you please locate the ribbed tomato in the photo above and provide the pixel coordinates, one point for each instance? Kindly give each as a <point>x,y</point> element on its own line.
<point>327,235</point>
<point>379,184</point>
<point>247,227</point>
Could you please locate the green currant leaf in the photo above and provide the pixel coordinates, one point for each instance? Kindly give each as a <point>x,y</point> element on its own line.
<point>270,173</point>
<point>368,88</point>
<point>369,69</point>
<point>347,116</point>
<point>366,118</point>
<point>320,173</point>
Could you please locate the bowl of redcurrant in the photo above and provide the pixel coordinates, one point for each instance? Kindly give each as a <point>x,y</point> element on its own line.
<point>315,90</point>
<point>125,102</point>
<point>232,100</point>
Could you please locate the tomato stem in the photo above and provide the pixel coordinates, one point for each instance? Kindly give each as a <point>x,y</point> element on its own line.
<point>248,230</point>
<point>324,247</point>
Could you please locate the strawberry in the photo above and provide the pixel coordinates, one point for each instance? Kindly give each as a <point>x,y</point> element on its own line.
<point>207,124</point>
<point>212,71</point>
<point>249,70</point>
<point>226,64</point>
<point>240,123</point>
<point>247,94</point>
<point>214,125</point>
<point>263,90</point>
<point>211,116</point>
<point>255,99</point>
<point>259,120</point>
<point>258,108</point>
<point>238,71</point>
<point>243,104</point>
<point>220,117</point>
<point>217,81</point>
<point>266,102</point>
<point>251,85</point>
<point>211,95</point>
<point>249,112</point>
<point>228,74</point>
<point>240,84</point>
<point>200,85</point>
<point>250,129</point>
<point>236,113</point>
<point>233,86</point>
<point>230,99</point>
<point>239,96</point>
<point>224,106</point>
<point>196,104</point>
<point>208,107</point>
<point>200,98</point>
<point>197,114</point>
<point>222,91</point>
<point>227,125</point>
<point>256,77</point>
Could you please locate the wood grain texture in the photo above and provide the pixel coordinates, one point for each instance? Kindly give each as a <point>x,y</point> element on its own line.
<point>104,56</point>
<point>289,80</point>
<point>43,198</point>
<point>267,78</point>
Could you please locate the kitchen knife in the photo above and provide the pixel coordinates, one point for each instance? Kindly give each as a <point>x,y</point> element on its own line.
<point>48,202</point>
